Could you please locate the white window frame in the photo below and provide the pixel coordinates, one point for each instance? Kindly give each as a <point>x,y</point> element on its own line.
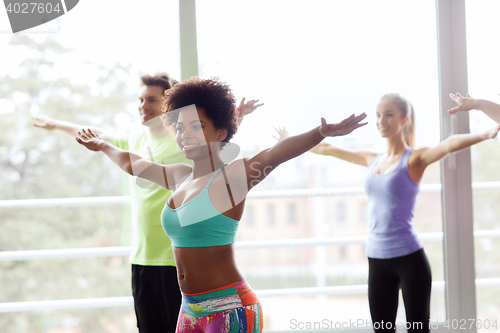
<point>457,208</point>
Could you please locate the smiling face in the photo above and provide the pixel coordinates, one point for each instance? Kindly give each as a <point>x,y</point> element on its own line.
<point>150,102</point>
<point>193,130</point>
<point>390,119</point>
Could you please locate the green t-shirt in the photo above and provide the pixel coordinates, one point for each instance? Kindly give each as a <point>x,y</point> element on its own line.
<point>150,245</point>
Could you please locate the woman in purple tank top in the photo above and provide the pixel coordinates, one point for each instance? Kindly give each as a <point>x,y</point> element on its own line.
<point>395,254</point>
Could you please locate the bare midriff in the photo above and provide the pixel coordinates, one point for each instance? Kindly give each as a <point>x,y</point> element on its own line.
<point>201,269</point>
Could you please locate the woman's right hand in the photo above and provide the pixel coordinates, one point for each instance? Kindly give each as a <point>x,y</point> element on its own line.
<point>282,133</point>
<point>89,139</point>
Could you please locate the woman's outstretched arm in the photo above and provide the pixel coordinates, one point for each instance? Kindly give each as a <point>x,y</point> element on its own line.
<point>259,166</point>
<point>468,103</point>
<point>421,158</point>
<point>135,165</point>
<point>357,157</point>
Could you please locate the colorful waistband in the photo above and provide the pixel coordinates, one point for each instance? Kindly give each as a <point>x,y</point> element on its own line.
<point>231,296</point>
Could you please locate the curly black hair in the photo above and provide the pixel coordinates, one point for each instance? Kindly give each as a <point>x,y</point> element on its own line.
<point>213,95</point>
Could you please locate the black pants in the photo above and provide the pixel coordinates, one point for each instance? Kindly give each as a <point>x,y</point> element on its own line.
<point>157,298</point>
<point>411,274</point>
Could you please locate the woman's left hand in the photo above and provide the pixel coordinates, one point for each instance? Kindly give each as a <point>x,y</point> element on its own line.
<point>345,127</point>
<point>89,139</point>
<point>492,133</point>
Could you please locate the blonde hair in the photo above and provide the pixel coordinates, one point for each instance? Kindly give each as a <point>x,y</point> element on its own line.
<point>407,110</point>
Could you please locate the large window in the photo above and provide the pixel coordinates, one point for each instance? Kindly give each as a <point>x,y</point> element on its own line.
<point>83,67</point>
<point>307,60</point>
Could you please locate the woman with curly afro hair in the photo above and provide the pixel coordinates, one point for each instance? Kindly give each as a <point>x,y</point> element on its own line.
<point>202,214</point>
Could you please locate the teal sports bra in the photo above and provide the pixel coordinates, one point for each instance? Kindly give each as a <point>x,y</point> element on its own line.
<point>197,223</point>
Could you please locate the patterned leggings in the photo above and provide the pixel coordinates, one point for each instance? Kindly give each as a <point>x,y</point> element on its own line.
<point>229,309</point>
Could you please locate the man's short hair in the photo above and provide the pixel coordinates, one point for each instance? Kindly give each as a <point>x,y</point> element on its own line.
<point>160,79</point>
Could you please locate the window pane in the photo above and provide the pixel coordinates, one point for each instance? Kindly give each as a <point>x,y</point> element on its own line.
<point>85,70</point>
<point>115,319</point>
<point>292,215</point>
<point>483,73</point>
<point>307,60</point>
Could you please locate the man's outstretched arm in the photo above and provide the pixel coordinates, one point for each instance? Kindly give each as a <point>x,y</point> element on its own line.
<point>67,127</point>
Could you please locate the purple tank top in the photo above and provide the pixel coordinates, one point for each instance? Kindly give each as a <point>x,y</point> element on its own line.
<point>391,201</point>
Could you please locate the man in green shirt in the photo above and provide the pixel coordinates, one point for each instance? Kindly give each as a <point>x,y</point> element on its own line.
<point>155,288</point>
